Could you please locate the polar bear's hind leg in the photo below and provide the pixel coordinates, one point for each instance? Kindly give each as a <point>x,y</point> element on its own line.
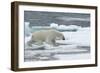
<point>29,43</point>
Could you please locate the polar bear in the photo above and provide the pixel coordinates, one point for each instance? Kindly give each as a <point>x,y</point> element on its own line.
<point>48,36</point>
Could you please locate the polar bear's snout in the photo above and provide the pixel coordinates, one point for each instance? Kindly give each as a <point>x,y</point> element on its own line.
<point>60,36</point>
<point>63,38</point>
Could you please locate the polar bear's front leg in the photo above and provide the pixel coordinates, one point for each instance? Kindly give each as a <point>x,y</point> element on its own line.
<point>51,41</point>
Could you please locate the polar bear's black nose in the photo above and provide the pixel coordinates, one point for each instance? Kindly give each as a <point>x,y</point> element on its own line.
<point>63,38</point>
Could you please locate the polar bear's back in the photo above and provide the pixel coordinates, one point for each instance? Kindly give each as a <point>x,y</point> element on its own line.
<point>39,35</point>
<point>44,32</point>
<point>42,35</point>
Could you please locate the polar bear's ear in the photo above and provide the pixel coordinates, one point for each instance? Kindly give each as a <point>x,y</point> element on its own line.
<point>63,38</point>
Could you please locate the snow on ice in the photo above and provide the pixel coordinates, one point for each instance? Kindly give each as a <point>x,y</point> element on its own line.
<point>81,38</point>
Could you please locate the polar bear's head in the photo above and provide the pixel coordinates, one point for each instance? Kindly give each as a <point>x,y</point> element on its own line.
<point>59,35</point>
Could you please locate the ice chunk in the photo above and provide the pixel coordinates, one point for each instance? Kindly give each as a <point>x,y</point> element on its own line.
<point>70,27</point>
<point>54,25</point>
<point>80,37</point>
<point>27,28</point>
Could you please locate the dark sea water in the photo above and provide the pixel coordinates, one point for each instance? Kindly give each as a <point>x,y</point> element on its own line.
<point>40,18</point>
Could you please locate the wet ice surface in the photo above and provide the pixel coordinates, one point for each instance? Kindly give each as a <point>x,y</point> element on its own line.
<point>46,55</point>
<point>75,47</point>
<point>65,52</point>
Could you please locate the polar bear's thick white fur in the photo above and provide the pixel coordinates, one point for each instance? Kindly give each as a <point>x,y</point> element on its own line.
<point>48,36</point>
